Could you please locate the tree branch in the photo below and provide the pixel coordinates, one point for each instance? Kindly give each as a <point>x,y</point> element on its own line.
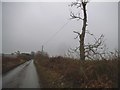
<point>93,50</point>
<point>77,33</point>
<point>73,16</point>
<point>76,37</point>
<point>78,4</point>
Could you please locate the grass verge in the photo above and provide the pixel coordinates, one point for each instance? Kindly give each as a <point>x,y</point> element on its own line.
<point>59,72</point>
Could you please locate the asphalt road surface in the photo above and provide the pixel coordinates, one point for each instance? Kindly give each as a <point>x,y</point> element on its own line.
<point>24,76</point>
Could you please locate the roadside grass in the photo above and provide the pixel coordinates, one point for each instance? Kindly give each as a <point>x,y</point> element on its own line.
<point>8,63</point>
<point>61,72</point>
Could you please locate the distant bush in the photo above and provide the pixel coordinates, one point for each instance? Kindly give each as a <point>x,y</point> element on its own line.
<point>25,56</point>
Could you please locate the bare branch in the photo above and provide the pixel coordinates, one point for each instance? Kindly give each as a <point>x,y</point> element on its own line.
<point>76,48</point>
<point>73,16</point>
<point>89,33</point>
<point>77,33</point>
<point>76,37</point>
<point>93,50</point>
<point>77,4</point>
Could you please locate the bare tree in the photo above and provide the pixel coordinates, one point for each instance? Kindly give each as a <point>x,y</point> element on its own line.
<point>92,51</point>
<point>97,49</point>
<point>82,5</point>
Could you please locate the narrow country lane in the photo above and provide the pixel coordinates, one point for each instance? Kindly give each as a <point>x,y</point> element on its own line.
<point>24,76</point>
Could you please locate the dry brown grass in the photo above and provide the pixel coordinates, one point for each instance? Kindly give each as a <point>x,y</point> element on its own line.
<point>9,63</point>
<point>59,72</point>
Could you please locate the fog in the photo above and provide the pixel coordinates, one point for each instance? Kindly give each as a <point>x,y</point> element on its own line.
<point>26,26</point>
<point>0,27</point>
<point>119,26</point>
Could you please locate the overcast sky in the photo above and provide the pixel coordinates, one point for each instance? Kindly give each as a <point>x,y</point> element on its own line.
<point>28,26</point>
<point>0,27</point>
<point>118,26</point>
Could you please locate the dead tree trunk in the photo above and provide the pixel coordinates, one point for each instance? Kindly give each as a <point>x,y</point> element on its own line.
<point>82,4</point>
<point>82,35</point>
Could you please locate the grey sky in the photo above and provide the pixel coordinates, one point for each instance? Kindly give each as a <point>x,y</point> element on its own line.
<point>27,26</point>
<point>119,26</point>
<point>0,27</point>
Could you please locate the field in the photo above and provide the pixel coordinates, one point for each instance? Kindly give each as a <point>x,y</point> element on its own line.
<point>9,63</point>
<point>61,72</point>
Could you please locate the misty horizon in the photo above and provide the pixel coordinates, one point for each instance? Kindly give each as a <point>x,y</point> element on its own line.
<point>27,26</point>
